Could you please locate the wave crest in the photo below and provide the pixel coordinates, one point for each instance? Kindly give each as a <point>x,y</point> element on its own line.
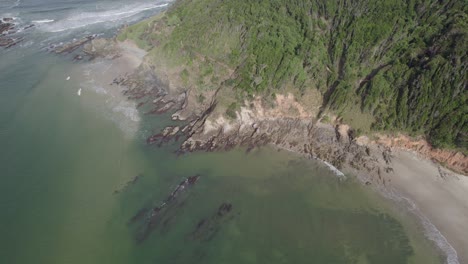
<point>84,19</point>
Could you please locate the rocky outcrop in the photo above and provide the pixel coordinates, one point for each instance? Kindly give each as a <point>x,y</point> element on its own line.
<point>307,137</point>
<point>106,48</point>
<point>8,32</point>
<point>207,228</point>
<point>152,93</point>
<point>133,181</point>
<point>255,126</point>
<point>72,45</point>
<point>148,219</point>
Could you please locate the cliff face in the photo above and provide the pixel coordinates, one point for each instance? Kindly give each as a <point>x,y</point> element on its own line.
<point>378,65</point>
<point>452,159</point>
<point>403,63</point>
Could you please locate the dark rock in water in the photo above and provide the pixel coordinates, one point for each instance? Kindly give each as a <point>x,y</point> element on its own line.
<point>162,109</point>
<point>154,138</point>
<point>193,179</point>
<point>140,104</point>
<point>167,134</point>
<point>207,228</point>
<point>8,30</point>
<point>9,42</point>
<point>139,215</point>
<point>28,26</point>
<point>74,45</point>
<point>6,27</point>
<point>200,224</point>
<point>77,57</point>
<point>164,213</point>
<point>133,181</point>
<point>224,209</point>
<point>182,186</point>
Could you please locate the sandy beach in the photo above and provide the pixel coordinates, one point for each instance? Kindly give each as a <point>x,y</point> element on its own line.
<point>437,196</point>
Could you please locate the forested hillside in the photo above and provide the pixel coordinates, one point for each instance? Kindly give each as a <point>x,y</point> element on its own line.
<point>402,61</point>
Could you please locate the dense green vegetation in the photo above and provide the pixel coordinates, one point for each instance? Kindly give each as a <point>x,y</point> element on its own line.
<point>403,61</point>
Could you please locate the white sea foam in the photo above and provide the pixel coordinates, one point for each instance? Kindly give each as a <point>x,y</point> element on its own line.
<point>99,90</point>
<point>14,17</point>
<point>129,111</point>
<point>431,231</point>
<point>332,168</point>
<point>42,21</point>
<point>336,171</point>
<point>83,19</point>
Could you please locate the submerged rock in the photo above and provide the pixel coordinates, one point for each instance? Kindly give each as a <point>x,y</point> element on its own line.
<point>7,30</point>
<point>133,181</point>
<point>207,228</point>
<point>73,45</point>
<point>164,213</point>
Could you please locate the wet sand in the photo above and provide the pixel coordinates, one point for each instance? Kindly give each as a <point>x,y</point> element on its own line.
<point>436,195</point>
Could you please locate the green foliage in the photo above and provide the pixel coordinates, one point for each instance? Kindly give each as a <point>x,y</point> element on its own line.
<point>231,110</point>
<point>184,74</point>
<point>326,119</point>
<point>140,33</point>
<point>201,99</point>
<point>404,62</point>
<point>173,20</point>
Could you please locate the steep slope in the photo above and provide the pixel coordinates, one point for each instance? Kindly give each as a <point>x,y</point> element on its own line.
<point>402,62</point>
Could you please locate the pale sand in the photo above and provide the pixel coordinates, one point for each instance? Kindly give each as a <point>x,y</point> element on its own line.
<point>441,200</point>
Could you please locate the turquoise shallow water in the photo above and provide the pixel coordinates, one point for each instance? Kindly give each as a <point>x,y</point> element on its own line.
<point>63,157</point>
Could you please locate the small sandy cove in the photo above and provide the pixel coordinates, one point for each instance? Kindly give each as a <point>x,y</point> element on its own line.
<point>439,195</point>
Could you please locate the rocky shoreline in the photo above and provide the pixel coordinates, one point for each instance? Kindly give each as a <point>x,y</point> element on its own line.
<point>203,126</point>
<point>256,124</point>
<point>8,32</point>
<point>206,130</point>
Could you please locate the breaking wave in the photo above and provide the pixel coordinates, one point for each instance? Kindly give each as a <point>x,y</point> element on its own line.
<point>43,21</point>
<point>84,19</point>
<point>333,169</point>
<point>430,230</point>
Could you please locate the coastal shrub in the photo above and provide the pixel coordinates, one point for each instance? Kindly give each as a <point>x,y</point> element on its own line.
<point>173,20</point>
<point>201,99</point>
<point>403,62</point>
<point>184,74</point>
<point>231,110</point>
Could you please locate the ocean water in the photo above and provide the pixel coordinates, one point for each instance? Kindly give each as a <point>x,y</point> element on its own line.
<point>68,164</point>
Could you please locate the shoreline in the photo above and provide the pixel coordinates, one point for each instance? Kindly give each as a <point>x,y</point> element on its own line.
<point>378,168</point>
<point>393,190</point>
<point>372,163</point>
<point>438,200</point>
